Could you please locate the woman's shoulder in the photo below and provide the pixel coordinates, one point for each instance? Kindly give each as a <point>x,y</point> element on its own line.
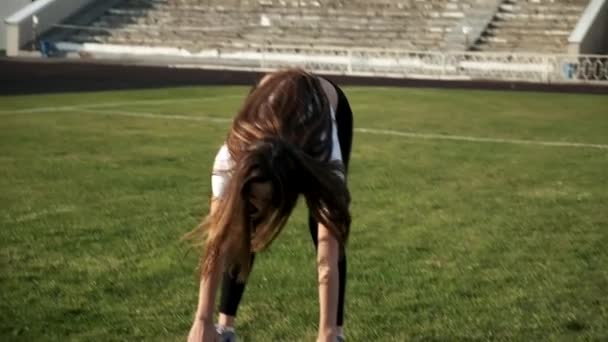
<point>223,160</point>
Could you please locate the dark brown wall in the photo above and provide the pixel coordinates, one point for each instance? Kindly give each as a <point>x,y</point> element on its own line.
<point>32,76</point>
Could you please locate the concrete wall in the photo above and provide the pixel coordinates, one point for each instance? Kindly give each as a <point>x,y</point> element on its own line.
<point>49,12</point>
<point>7,8</point>
<point>590,36</point>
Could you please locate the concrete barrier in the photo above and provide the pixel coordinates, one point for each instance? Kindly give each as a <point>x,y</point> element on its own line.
<point>590,36</point>
<point>19,26</point>
<point>7,8</point>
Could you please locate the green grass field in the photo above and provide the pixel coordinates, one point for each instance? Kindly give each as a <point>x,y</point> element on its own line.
<point>452,240</point>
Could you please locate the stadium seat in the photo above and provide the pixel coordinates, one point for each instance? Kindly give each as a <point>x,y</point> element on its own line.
<point>518,25</point>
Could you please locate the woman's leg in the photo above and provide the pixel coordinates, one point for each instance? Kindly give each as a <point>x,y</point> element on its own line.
<point>344,121</point>
<point>232,293</point>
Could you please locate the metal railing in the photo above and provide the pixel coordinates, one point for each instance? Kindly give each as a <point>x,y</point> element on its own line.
<point>544,68</point>
<point>527,67</point>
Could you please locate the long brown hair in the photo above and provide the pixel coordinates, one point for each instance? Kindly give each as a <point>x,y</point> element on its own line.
<point>282,134</point>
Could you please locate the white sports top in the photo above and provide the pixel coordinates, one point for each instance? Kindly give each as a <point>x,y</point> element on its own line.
<point>223,163</point>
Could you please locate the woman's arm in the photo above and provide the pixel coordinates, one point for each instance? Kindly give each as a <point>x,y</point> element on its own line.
<point>203,328</point>
<point>206,294</point>
<point>327,266</point>
<point>208,285</point>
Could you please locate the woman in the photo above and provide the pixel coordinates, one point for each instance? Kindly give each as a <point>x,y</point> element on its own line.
<point>292,136</point>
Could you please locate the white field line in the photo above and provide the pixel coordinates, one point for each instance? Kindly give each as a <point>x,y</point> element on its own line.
<point>118,104</point>
<point>91,109</point>
<point>154,115</point>
<point>429,136</point>
<point>479,139</point>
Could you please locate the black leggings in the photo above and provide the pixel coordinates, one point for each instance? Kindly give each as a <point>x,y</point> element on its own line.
<point>232,290</point>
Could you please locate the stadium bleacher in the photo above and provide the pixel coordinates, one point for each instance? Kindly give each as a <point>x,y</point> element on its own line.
<point>197,25</point>
<point>532,26</point>
<point>236,25</point>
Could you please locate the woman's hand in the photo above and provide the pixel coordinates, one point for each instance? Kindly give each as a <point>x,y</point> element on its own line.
<point>202,331</point>
<point>327,336</point>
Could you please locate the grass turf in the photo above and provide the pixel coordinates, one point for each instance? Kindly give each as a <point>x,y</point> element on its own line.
<point>451,240</point>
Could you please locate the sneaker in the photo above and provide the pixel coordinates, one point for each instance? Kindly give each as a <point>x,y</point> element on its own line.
<point>225,334</point>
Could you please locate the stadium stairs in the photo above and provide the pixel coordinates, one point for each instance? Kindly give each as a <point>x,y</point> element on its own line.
<point>531,26</point>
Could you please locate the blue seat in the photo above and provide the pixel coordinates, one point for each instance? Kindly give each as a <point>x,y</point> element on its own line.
<point>48,49</point>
